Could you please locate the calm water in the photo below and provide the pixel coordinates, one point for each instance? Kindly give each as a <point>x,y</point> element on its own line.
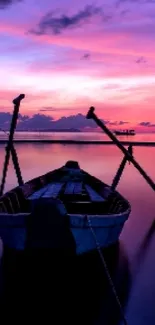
<point>137,238</point>
<point>77,136</point>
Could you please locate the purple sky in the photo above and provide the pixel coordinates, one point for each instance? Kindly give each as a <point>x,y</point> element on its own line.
<point>66,58</point>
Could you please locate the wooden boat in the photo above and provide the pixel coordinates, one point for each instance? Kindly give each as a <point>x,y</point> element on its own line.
<point>51,219</point>
<point>86,201</point>
<point>125,132</point>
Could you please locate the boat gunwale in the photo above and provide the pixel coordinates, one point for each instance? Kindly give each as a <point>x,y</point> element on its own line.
<point>39,182</point>
<point>96,220</point>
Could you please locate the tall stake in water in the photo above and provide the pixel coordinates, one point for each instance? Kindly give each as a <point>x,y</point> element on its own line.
<point>16,103</point>
<point>92,115</point>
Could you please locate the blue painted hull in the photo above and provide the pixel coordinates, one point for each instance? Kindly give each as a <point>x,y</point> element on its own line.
<point>76,196</point>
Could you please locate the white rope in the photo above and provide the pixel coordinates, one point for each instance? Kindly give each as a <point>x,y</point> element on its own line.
<point>107,272</point>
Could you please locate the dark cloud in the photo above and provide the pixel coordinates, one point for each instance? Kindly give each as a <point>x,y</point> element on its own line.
<point>5,3</point>
<point>73,121</point>
<point>41,121</point>
<point>37,121</point>
<point>148,124</point>
<point>57,25</point>
<point>5,119</point>
<point>86,56</point>
<point>26,122</point>
<point>23,117</point>
<point>141,59</point>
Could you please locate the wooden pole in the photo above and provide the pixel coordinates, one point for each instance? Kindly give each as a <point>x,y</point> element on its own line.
<point>120,171</point>
<point>92,115</point>
<point>16,166</point>
<point>16,103</point>
<point>16,163</point>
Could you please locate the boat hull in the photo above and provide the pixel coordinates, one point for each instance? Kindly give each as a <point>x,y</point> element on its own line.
<point>107,229</point>
<point>86,202</point>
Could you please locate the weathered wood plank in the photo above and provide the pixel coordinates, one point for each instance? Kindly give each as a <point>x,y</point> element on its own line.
<point>78,188</point>
<point>39,193</point>
<point>53,190</point>
<point>94,196</point>
<point>69,190</point>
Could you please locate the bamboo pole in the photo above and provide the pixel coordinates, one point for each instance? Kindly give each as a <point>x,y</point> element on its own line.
<point>120,170</point>
<point>92,115</point>
<point>16,103</point>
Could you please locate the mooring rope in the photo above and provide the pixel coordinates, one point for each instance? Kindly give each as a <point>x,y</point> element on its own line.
<point>107,271</point>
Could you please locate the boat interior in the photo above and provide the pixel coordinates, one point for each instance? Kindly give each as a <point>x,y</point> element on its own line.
<point>80,192</point>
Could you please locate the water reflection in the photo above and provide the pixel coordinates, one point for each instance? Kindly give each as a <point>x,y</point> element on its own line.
<point>137,238</point>
<point>62,288</point>
<point>119,269</point>
<point>77,136</point>
<point>144,247</point>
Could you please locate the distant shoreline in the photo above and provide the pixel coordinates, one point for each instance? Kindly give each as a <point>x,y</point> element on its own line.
<point>80,142</point>
<point>48,131</point>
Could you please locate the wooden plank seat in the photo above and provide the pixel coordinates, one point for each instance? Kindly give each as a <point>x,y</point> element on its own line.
<point>39,193</point>
<point>74,191</point>
<point>94,196</point>
<point>73,188</point>
<point>69,190</point>
<point>78,189</point>
<point>50,190</point>
<point>53,190</point>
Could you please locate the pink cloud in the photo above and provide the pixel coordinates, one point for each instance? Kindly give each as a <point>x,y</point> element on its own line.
<point>105,41</point>
<point>38,62</point>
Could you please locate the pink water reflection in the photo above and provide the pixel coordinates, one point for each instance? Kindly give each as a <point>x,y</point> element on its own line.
<point>101,161</point>
<point>91,136</point>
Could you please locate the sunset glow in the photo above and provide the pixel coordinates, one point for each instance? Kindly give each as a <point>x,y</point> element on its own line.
<point>68,58</point>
